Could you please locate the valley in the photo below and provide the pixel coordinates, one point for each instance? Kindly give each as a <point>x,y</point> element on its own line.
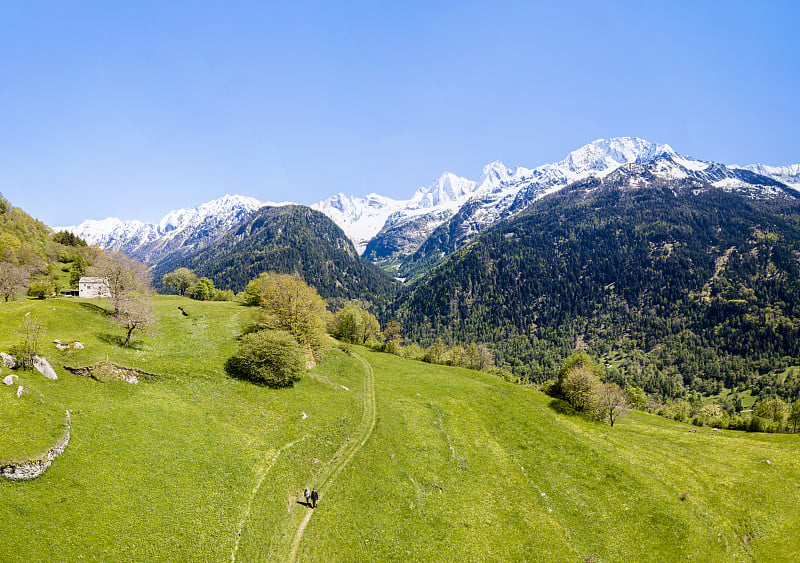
<point>458,465</point>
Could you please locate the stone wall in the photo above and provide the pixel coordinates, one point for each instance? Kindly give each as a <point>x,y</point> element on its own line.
<point>32,468</point>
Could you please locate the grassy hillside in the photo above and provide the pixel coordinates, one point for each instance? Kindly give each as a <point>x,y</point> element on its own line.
<point>413,462</point>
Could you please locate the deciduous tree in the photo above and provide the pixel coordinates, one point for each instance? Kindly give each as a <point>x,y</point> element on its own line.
<point>13,280</point>
<point>288,303</point>
<point>180,280</point>
<point>203,290</point>
<point>124,275</point>
<point>613,402</point>
<point>135,312</point>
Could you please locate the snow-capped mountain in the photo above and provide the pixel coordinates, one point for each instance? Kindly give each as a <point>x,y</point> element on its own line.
<point>646,161</point>
<point>444,216</point>
<point>181,231</point>
<point>359,217</point>
<point>789,175</point>
<point>362,218</point>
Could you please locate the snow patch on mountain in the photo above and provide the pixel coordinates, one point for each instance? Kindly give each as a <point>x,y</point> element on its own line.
<point>362,218</point>
<point>789,175</point>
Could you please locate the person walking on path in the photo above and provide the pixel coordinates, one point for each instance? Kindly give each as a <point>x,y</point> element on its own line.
<point>307,495</point>
<point>314,498</point>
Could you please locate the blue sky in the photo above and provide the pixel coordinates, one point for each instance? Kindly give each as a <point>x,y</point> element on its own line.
<point>132,109</point>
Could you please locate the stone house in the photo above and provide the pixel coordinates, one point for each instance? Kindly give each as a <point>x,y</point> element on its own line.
<point>93,287</point>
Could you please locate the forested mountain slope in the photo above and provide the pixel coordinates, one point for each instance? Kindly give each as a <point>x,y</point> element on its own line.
<point>289,239</point>
<point>698,287</point>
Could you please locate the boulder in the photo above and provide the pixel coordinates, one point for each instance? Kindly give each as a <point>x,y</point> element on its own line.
<point>8,360</point>
<point>62,347</point>
<point>43,367</point>
<point>78,345</point>
<point>20,389</point>
<point>9,379</point>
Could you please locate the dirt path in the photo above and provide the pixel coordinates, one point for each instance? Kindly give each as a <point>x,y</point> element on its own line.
<point>349,449</point>
<point>264,471</point>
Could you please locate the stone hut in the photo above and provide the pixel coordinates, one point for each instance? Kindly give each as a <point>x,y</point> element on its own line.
<point>93,287</point>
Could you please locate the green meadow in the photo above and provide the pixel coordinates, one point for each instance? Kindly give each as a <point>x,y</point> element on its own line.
<point>414,462</point>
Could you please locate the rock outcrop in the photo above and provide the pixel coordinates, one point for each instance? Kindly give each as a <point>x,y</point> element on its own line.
<point>32,468</point>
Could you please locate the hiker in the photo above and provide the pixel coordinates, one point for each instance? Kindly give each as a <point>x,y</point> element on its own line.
<point>307,495</point>
<point>314,498</point>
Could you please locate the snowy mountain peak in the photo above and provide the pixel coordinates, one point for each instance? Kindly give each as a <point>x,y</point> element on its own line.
<point>180,229</point>
<point>446,189</point>
<point>605,155</point>
<point>225,206</point>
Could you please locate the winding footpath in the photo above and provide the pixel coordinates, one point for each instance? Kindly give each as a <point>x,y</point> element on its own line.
<point>346,452</point>
<point>327,476</point>
<point>246,514</point>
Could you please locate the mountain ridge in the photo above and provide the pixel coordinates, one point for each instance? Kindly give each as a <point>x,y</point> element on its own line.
<point>402,235</point>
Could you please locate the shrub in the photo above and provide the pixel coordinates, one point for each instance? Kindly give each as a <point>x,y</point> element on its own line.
<point>580,387</point>
<point>270,357</point>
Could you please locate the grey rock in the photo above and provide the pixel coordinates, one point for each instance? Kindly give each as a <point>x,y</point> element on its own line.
<point>44,367</point>
<point>8,360</point>
<point>9,379</point>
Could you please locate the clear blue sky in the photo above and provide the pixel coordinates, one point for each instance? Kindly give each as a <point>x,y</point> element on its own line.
<point>132,109</point>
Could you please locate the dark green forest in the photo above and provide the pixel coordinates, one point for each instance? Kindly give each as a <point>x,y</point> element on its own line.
<point>290,239</point>
<point>676,287</point>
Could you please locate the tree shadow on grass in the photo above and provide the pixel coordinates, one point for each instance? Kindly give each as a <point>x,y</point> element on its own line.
<point>95,309</point>
<point>118,340</point>
<point>562,407</point>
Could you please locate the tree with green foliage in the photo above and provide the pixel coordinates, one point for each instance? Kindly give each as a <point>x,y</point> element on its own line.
<point>203,290</point>
<point>577,360</point>
<point>180,279</point>
<point>41,289</point>
<point>794,415</point>
<point>270,357</point>
<point>356,325</point>
<point>286,302</point>
<point>349,325</point>
<point>435,353</point>
<point>77,271</point>
<point>392,335</point>
<point>4,205</point>
<point>68,239</point>
<point>581,388</point>
<point>457,355</point>
<point>636,397</point>
<point>775,410</point>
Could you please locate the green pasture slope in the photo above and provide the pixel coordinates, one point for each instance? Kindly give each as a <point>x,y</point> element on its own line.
<point>413,461</point>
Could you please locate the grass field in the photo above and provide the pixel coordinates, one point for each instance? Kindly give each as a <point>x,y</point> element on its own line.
<point>413,462</point>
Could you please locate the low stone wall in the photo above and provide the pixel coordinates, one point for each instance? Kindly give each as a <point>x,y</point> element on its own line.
<point>34,467</point>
